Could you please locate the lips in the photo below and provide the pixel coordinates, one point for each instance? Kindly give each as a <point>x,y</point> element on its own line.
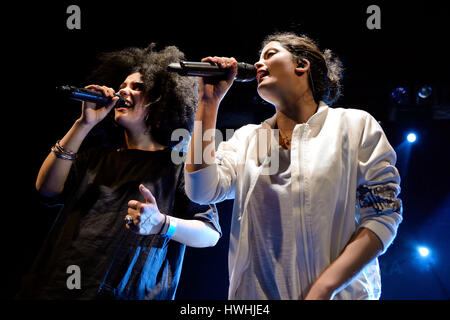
<point>127,105</point>
<point>124,104</point>
<point>261,73</point>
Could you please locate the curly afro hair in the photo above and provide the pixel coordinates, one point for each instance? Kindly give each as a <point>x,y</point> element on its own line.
<point>173,98</point>
<point>326,68</point>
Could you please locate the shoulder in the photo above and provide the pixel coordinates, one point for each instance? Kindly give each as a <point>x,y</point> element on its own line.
<point>355,118</point>
<point>93,155</point>
<point>246,130</point>
<point>350,113</point>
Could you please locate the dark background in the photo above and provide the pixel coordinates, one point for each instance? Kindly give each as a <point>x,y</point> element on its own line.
<point>409,50</point>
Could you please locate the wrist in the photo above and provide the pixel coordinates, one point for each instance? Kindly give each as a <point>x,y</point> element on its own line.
<point>162,224</point>
<point>207,113</point>
<point>83,126</point>
<point>208,103</point>
<point>320,291</point>
<point>169,228</point>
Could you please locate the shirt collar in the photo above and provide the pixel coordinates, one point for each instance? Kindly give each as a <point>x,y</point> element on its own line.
<point>316,119</point>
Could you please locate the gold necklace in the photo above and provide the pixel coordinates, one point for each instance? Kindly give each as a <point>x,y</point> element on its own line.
<point>285,142</point>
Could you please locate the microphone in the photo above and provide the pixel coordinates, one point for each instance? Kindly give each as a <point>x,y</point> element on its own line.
<point>246,72</point>
<point>80,94</point>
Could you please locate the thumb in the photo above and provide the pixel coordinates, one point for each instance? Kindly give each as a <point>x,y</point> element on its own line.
<point>147,194</point>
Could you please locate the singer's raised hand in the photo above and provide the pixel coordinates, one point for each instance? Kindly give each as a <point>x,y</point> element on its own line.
<point>213,90</point>
<point>91,115</point>
<point>146,217</point>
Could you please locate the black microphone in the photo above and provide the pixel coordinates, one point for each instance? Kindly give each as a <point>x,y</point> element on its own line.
<point>246,72</point>
<point>80,94</point>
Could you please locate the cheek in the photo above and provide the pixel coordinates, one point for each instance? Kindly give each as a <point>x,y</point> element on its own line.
<point>283,71</point>
<point>282,65</point>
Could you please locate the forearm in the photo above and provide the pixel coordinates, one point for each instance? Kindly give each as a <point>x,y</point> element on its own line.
<point>361,249</point>
<point>205,122</point>
<point>54,171</point>
<point>193,233</point>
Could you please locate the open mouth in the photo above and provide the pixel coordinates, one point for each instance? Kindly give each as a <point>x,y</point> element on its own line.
<point>261,74</point>
<point>124,104</point>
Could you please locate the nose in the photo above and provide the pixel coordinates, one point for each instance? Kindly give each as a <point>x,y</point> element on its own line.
<point>259,64</point>
<point>124,91</point>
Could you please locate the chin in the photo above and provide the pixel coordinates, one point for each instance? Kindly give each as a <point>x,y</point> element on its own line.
<point>122,120</point>
<point>266,95</point>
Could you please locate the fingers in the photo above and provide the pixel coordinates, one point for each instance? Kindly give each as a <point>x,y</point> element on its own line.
<point>133,226</point>
<point>137,206</point>
<point>138,222</point>
<point>112,103</point>
<point>142,217</point>
<point>147,194</point>
<point>213,89</point>
<point>223,62</point>
<point>135,212</point>
<point>107,92</point>
<point>133,219</point>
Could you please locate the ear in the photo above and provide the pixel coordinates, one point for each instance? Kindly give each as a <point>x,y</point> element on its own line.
<point>152,102</point>
<point>302,67</point>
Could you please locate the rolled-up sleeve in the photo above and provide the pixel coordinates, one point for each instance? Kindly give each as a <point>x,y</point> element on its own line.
<point>216,182</point>
<point>379,208</point>
<point>202,185</point>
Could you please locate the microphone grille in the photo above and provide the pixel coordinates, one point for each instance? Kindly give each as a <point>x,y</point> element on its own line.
<point>246,72</point>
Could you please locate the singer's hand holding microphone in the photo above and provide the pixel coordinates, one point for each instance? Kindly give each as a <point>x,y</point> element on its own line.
<point>91,112</point>
<point>217,74</point>
<point>213,90</point>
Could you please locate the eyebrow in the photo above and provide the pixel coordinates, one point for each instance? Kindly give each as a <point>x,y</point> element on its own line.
<point>264,52</point>
<point>133,82</point>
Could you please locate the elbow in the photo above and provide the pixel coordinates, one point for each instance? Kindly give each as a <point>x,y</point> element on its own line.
<point>209,240</point>
<point>191,195</point>
<point>202,186</point>
<point>214,239</point>
<point>198,196</point>
<point>46,191</point>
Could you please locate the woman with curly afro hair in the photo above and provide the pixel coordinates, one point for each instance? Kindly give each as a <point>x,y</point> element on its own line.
<point>126,219</point>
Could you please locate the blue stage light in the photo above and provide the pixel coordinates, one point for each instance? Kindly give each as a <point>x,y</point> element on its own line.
<point>424,92</point>
<point>400,95</point>
<point>423,251</point>
<point>411,137</point>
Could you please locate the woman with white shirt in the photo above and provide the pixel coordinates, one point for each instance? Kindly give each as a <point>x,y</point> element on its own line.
<point>315,188</point>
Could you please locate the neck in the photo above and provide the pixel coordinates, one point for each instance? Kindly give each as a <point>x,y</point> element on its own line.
<point>141,141</point>
<point>290,113</point>
<point>297,109</point>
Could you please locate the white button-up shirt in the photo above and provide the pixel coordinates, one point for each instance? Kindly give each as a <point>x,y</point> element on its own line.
<point>342,178</point>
